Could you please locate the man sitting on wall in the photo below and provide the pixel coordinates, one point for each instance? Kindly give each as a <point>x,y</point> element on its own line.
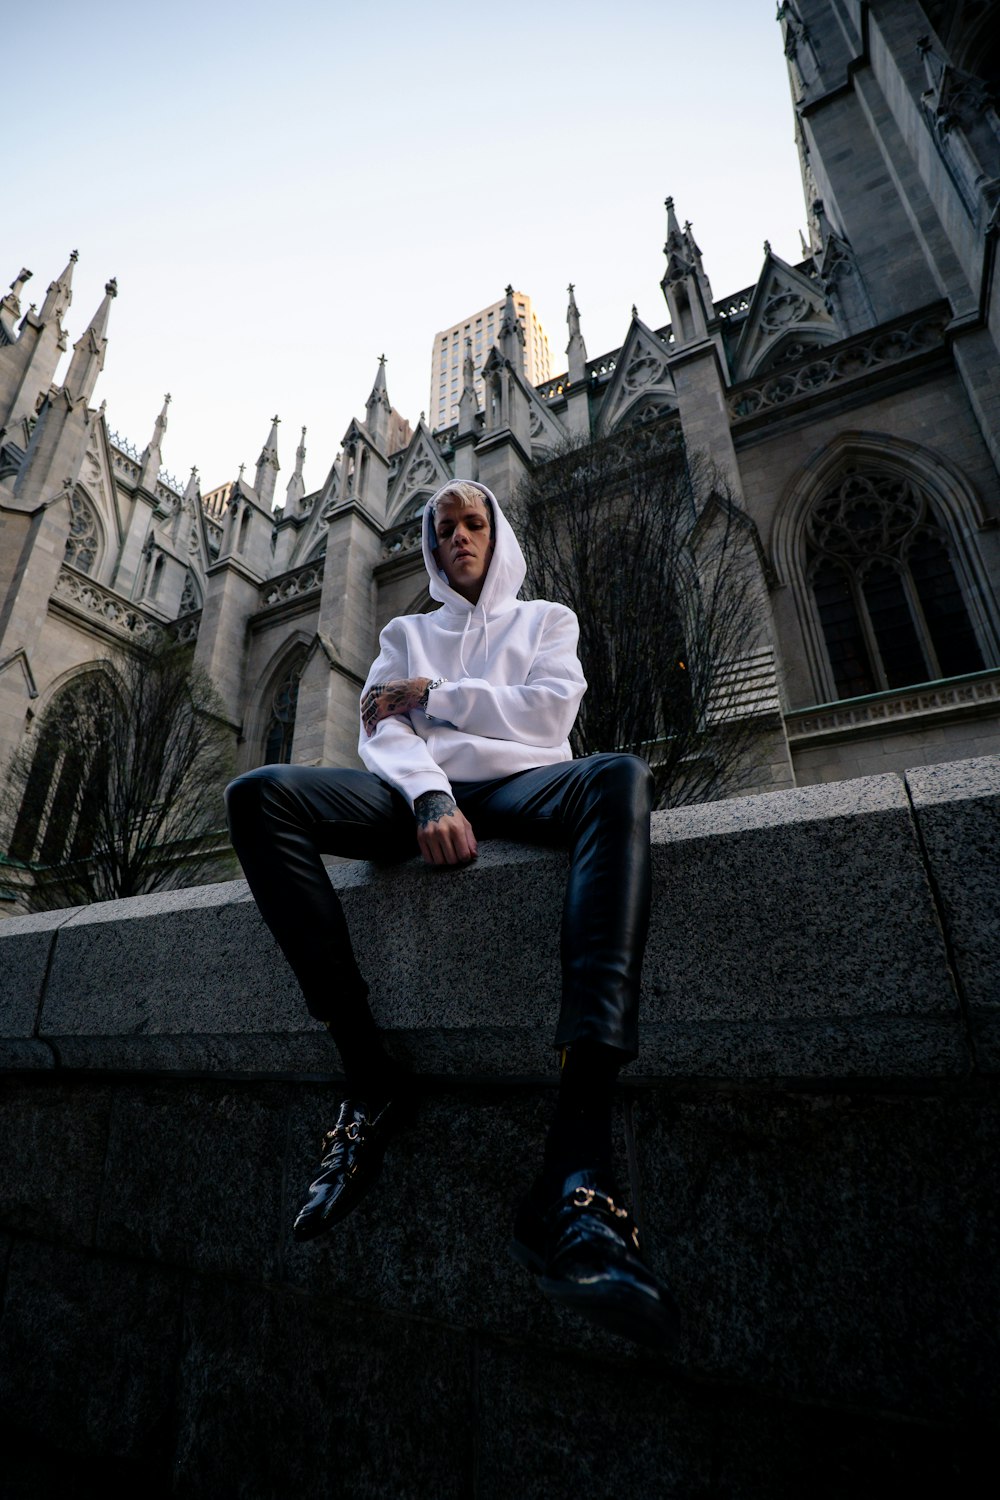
<point>465,717</point>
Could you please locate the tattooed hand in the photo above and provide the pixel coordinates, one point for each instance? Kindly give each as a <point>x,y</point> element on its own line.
<point>444,834</point>
<point>386,698</point>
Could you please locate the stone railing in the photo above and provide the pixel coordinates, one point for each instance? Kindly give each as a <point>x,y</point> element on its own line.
<point>90,599</point>
<point>404,538</point>
<point>185,629</point>
<point>925,702</point>
<point>847,361</point>
<point>294,584</point>
<point>809,1140</point>
<point>736,304</point>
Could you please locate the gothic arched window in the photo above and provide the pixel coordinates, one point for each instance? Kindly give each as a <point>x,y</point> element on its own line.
<point>281,724</point>
<point>83,541</point>
<point>55,821</point>
<point>885,585</point>
<point>191,597</point>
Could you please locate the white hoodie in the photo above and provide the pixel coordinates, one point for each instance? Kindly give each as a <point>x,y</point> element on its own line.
<point>513,687</point>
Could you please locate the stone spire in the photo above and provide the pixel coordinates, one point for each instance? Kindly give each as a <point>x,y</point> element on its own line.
<point>378,408</point>
<point>267,467</point>
<point>296,489</point>
<point>511,336</point>
<point>60,292</point>
<point>10,305</point>
<point>89,350</point>
<point>468,404</point>
<point>685,285</point>
<point>576,349</point>
<point>187,507</point>
<point>152,458</point>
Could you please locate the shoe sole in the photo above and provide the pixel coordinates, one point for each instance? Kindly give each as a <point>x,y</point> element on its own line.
<point>650,1322</point>
<point>644,1320</point>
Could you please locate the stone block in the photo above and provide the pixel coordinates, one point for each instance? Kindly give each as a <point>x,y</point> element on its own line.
<point>194,1174</point>
<point>284,1396</point>
<point>27,946</point>
<point>54,1140</point>
<point>957,807</point>
<point>795,934</point>
<point>833,1248</point>
<point>181,979</point>
<point>88,1352</point>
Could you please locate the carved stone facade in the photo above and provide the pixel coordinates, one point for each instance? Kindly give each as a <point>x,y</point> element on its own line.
<point>852,400</point>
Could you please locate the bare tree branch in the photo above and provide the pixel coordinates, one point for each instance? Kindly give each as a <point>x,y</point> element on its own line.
<point>649,547</point>
<point>120,790</point>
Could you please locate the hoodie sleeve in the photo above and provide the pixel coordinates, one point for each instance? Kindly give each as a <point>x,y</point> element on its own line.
<point>541,712</point>
<point>395,751</point>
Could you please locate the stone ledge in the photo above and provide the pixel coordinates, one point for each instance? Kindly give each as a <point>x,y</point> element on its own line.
<point>794,935</point>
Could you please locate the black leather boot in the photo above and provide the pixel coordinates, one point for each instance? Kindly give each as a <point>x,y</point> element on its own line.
<point>353,1152</point>
<point>584,1249</point>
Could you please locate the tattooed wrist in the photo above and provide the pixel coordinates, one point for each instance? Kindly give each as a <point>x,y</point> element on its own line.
<point>430,806</point>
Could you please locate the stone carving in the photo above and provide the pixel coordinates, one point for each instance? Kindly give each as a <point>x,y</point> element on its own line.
<point>421,471</point>
<point>189,598</point>
<point>292,585</point>
<point>89,597</point>
<point>405,538</point>
<point>784,308</point>
<point>642,371</point>
<point>849,361</point>
<point>185,631</point>
<point>903,703</point>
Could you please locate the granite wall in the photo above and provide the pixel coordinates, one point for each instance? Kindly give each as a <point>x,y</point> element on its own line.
<point>810,1138</point>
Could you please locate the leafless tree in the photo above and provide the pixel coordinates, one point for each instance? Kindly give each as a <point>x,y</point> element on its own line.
<point>649,547</point>
<point>119,790</point>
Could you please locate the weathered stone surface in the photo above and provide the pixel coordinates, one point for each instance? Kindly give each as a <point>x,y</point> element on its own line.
<point>87,1352</point>
<point>831,1247</point>
<point>194,1176</point>
<point>27,945</point>
<point>782,916</point>
<point>793,935</point>
<point>958,812</point>
<point>431,1238</point>
<point>54,1137</point>
<point>196,961</point>
<point>282,1396</point>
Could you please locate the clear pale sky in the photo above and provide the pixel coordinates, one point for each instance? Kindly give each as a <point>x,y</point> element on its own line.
<point>285,192</point>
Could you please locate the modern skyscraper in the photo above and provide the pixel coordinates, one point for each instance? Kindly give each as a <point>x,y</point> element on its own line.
<point>482,329</point>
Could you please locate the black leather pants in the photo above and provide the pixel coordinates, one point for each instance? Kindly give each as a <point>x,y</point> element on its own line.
<point>282,818</point>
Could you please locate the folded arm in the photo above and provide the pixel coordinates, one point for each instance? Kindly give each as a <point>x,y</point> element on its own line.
<point>539,712</point>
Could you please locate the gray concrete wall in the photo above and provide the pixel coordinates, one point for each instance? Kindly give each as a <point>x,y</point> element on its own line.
<point>810,1138</point>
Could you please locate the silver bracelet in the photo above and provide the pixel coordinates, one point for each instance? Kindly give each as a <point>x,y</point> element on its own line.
<point>437,682</point>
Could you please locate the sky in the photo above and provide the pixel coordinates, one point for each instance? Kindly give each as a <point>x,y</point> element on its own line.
<point>286,192</point>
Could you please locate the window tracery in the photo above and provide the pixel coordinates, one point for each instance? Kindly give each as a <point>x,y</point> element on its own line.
<point>280,729</point>
<point>190,600</point>
<point>886,587</point>
<point>84,539</point>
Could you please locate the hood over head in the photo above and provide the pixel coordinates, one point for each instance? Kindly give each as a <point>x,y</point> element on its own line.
<point>506,570</point>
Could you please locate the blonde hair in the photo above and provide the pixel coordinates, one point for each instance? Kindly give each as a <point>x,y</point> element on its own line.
<point>468,495</point>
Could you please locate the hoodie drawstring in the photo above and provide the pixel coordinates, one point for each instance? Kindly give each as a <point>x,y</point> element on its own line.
<point>465,631</point>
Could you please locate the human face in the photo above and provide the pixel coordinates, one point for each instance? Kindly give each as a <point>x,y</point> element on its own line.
<point>464,545</point>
